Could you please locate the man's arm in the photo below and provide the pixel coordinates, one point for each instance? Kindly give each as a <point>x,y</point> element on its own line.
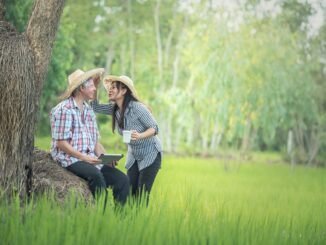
<point>67,148</point>
<point>99,149</point>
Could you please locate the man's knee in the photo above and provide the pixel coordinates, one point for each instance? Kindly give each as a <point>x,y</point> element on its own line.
<point>97,178</point>
<point>123,181</point>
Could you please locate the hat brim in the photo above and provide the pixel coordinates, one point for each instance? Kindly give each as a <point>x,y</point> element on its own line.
<point>94,73</point>
<point>111,78</point>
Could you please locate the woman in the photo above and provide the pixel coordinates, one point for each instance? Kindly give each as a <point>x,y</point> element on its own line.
<point>144,149</point>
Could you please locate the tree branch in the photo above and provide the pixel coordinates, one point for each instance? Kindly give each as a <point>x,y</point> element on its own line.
<point>41,30</point>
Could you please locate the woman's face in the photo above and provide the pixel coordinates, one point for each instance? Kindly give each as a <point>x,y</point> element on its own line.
<point>116,93</point>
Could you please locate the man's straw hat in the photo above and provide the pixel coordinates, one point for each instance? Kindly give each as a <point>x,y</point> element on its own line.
<point>76,78</point>
<point>123,79</point>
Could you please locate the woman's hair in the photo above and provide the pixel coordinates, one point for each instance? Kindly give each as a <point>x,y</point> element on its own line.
<point>127,98</point>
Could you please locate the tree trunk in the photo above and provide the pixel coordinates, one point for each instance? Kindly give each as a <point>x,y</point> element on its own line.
<point>122,58</point>
<point>24,59</point>
<point>313,146</point>
<point>246,136</point>
<point>49,176</point>
<point>169,40</point>
<point>177,55</point>
<point>159,44</point>
<point>215,138</point>
<point>290,148</point>
<point>109,58</point>
<point>131,40</point>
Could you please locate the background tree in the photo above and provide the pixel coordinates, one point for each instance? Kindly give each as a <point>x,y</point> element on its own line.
<point>218,75</point>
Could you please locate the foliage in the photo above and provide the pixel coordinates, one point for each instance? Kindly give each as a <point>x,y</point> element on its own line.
<point>217,76</point>
<point>17,12</point>
<point>60,66</point>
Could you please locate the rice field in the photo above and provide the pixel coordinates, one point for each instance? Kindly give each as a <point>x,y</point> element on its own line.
<point>193,201</point>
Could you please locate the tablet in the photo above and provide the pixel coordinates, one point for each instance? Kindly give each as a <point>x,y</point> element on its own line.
<point>109,158</point>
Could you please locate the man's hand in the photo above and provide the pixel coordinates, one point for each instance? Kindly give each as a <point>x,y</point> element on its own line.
<point>113,164</point>
<point>67,148</point>
<point>90,159</point>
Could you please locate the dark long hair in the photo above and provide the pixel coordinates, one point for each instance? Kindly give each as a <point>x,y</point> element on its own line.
<point>127,98</point>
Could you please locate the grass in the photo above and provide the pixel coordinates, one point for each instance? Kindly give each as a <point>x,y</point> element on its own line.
<point>194,201</point>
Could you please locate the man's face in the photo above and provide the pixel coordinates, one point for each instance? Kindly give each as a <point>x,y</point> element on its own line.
<point>89,90</point>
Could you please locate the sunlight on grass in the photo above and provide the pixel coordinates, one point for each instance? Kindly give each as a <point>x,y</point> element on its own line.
<point>194,201</point>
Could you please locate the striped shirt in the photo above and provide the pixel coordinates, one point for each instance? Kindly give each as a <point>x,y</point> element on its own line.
<point>80,131</point>
<point>137,117</point>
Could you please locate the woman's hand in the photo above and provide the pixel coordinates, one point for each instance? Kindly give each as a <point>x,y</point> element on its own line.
<point>96,81</point>
<point>139,136</point>
<point>135,135</point>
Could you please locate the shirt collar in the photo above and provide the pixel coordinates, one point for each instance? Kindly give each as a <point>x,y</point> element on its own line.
<point>74,104</point>
<point>129,107</point>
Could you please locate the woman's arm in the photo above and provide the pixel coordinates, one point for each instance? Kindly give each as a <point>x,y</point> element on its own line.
<point>139,136</point>
<point>106,109</point>
<point>147,119</point>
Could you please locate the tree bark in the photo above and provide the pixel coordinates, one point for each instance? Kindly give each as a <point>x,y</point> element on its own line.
<point>24,59</point>
<point>50,177</point>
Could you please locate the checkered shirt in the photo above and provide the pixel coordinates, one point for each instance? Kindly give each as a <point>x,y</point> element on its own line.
<point>80,131</point>
<point>137,117</point>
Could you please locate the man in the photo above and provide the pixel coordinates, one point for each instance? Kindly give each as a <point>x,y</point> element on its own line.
<point>75,137</point>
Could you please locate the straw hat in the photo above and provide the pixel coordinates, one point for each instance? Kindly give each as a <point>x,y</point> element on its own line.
<point>76,78</point>
<point>123,79</point>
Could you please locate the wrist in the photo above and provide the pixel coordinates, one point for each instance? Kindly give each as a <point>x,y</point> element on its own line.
<point>141,136</point>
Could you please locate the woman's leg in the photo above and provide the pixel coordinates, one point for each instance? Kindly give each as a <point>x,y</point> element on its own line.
<point>118,181</point>
<point>89,173</point>
<point>133,174</point>
<point>148,175</point>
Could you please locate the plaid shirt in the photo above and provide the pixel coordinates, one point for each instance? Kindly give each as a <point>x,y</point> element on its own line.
<point>80,131</point>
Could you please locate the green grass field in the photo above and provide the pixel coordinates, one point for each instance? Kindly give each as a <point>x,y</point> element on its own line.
<point>194,201</point>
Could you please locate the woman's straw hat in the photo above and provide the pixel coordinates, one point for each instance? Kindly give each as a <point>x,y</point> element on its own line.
<point>123,79</point>
<point>76,78</point>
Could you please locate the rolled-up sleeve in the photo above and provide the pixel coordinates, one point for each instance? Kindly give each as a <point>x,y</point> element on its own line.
<point>146,118</point>
<point>106,109</point>
<point>61,121</point>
